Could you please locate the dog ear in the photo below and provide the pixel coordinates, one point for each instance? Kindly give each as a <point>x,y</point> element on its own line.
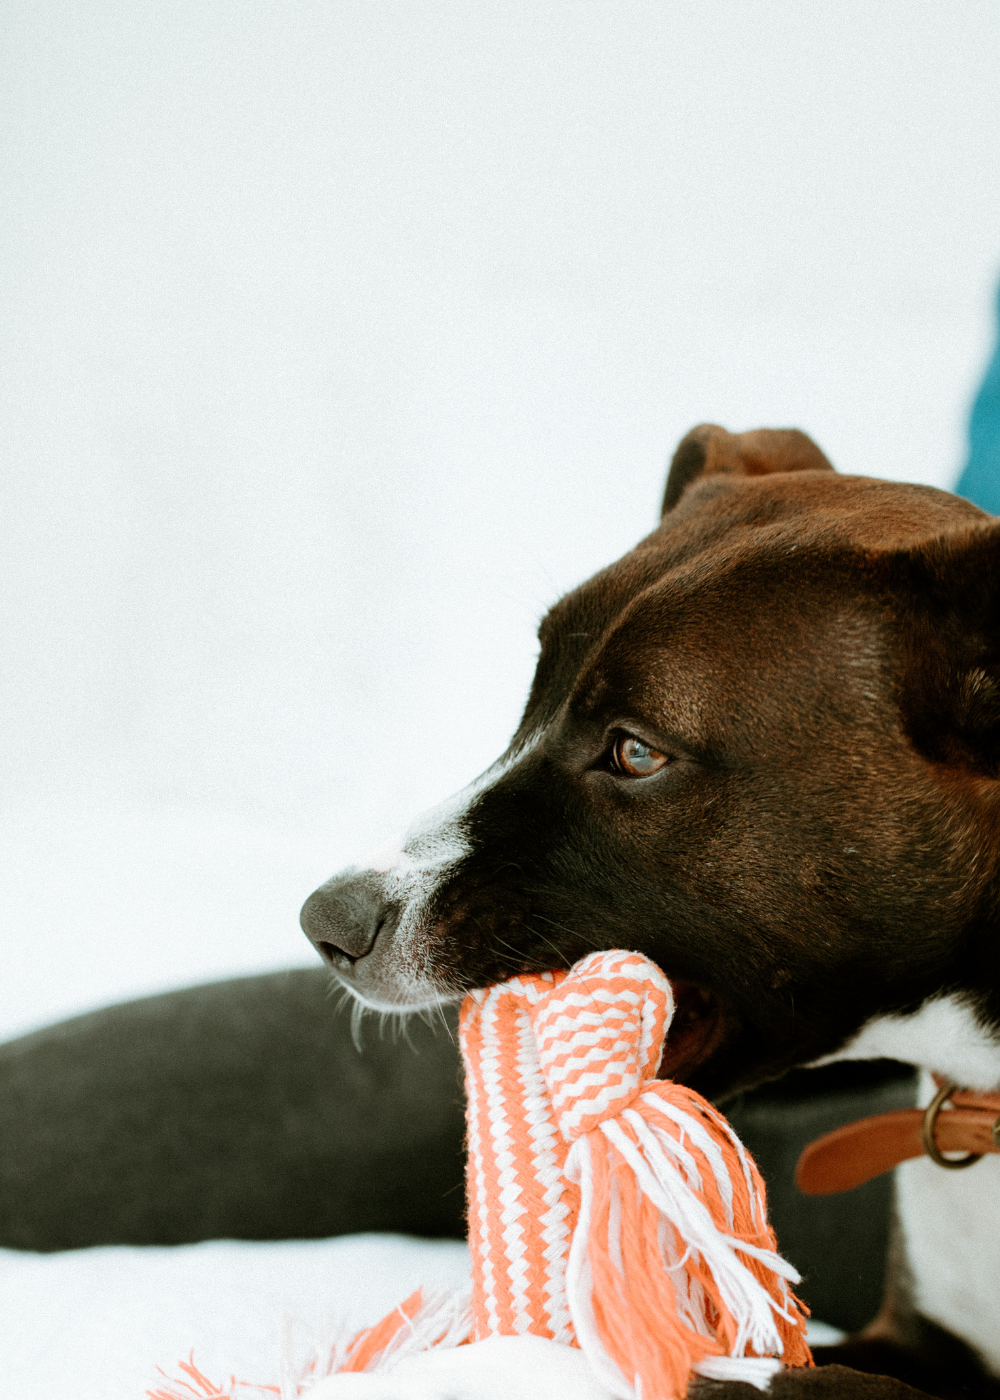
<point>709,450</point>
<point>951,688</point>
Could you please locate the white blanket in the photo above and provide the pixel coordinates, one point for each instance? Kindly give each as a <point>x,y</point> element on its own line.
<point>94,1324</point>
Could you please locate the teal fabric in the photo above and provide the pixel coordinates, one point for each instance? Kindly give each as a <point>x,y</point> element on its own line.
<point>980,480</point>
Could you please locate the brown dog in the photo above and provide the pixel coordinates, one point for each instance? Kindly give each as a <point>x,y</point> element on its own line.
<point>763,748</point>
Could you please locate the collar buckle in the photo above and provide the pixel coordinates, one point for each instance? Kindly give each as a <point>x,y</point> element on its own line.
<point>931,1112</point>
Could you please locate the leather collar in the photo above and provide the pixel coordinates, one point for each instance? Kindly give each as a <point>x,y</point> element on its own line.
<point>857,1152</point>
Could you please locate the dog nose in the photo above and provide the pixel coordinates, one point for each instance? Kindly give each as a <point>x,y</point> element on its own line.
<point>342,920</point>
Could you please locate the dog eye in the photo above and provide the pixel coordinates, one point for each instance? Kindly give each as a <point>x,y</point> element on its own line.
<point>635,759</point>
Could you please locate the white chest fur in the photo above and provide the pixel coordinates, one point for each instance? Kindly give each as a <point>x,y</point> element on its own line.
<point>944,1035</point>
<point>951,1229</point>
<point>950,1220</point>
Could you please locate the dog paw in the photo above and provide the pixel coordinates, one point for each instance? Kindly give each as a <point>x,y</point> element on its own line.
<point>806,1383</point>
<point>501,1368</point>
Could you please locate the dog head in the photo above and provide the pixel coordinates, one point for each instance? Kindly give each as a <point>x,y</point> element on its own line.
<point>763,748</point>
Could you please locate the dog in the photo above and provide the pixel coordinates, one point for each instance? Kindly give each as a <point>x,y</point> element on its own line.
<point>762,748</point>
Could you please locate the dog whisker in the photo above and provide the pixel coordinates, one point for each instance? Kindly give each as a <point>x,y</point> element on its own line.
<point>357,1016</point>
<point>573,932</point>
<point>401,1030</point>
<point>438,1011</point>
<point>564,960</point>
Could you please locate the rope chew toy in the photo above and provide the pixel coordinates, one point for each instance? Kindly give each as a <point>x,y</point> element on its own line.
<point>608,1210</point>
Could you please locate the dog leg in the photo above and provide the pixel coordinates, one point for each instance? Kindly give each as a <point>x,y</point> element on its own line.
<point>238,1109</point>
<point>803,1383</point>
<point>901,1342</point>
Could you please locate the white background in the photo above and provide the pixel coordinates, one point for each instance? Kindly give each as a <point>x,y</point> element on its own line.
<point>339,338</point>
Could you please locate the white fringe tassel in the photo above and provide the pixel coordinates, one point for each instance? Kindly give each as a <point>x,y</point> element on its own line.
<point>667,1174</point>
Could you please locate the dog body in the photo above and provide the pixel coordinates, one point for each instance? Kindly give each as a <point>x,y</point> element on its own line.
<point>763,748</point>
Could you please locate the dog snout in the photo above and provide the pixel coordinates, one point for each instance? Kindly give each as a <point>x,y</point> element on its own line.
<point>342,919</point>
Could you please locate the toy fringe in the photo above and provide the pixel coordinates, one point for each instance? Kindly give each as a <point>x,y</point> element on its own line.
<point>436,1319</point>
<point>672,1225</point>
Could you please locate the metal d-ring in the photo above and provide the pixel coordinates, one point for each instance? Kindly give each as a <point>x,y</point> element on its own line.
<point>927,1131</point>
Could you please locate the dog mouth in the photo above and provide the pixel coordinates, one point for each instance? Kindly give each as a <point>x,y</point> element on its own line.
<point>696,1031</point>
<point>697,1028</point>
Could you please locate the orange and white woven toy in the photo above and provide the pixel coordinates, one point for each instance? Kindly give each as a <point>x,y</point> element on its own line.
<point>608,1210</point>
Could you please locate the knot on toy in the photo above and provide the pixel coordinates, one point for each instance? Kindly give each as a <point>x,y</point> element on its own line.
<point>600,1032</point>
